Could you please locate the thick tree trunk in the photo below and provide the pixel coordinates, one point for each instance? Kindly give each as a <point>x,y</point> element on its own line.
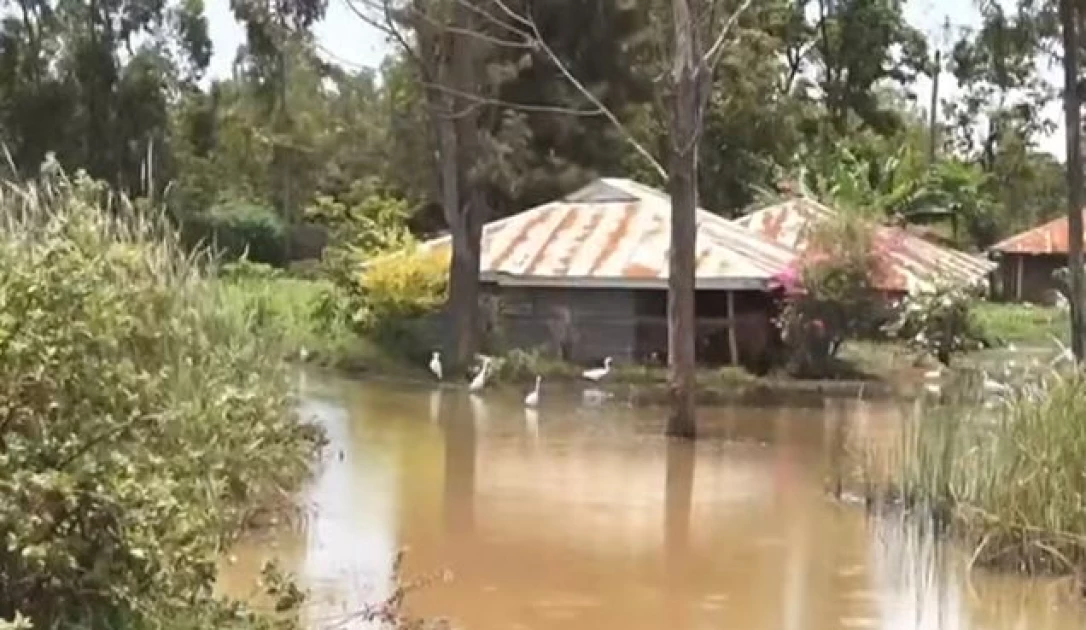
<point>682,185</point>
<point>1073,120</point>
<point>464,281</point>
<point>463,200</point>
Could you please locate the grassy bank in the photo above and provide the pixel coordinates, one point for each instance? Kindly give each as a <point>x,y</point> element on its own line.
<point>1005,477</point>
<point>285,306</point>
<point>146,419</point>
<point>1022,324</point>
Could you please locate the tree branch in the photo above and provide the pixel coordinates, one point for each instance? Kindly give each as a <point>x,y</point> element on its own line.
<point>528,107</point>
<point>715,52</point>
<point>541,45</point>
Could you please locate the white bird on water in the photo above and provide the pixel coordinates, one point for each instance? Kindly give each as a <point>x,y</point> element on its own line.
<point>532,399</point>
<point>596,374</point>
<point>479,382</point>
<point>435,364</point>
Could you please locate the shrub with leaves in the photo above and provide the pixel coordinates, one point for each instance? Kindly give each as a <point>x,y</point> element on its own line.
<point>386,298</point>
<point>831,294</point>
<point>143,422</point>
<point>240,228</point>
<point>939,322</point>
<point>381,282</point>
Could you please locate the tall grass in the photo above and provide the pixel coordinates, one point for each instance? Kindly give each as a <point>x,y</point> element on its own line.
<point>1009,476</point>
<point>144,419</point>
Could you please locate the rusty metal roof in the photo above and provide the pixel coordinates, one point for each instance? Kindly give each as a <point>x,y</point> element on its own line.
<point>1050,238</point>
<point>910,264</point>
<point>616,233</point>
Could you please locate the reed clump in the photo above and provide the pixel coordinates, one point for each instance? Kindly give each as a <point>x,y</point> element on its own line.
<point>1004,471</point>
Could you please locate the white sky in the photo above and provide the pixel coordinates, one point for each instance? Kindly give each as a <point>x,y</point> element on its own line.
<point>345,39</point>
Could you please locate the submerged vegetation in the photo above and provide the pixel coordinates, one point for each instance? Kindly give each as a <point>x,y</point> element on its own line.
<point>146,417</point>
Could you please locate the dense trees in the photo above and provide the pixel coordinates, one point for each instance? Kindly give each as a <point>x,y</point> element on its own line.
<point>820,92</point>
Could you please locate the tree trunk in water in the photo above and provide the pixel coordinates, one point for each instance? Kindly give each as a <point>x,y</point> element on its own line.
<point>1073,120</point>
<point>464,281</point>
<point>682,185</point>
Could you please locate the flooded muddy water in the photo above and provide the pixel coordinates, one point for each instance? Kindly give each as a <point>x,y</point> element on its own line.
<point>580,516</point>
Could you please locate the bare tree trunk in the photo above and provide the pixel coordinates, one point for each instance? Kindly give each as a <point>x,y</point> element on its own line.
<point>1073,120</point>
<point>682,184</point>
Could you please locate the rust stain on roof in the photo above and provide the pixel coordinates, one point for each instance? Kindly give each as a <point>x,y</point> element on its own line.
<point>1052,238</point>
<point>635,270</point>
<point>615,230</point>
<point>906,262</point>
<point>520,238</point>
<point>569,215</point>
<point>629,213</point>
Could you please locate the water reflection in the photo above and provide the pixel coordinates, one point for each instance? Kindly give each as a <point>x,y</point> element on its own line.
<point>582,518</point>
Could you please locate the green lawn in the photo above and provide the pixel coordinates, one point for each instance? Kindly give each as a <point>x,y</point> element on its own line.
<point>1023,324</point>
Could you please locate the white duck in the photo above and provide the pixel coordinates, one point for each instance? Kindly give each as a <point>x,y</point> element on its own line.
<point>532,399</point>
<point>479,382</point>
<point>435,364</point>
<point>596,374</point>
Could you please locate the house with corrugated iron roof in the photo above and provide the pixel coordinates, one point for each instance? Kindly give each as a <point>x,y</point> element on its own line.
<point>585,277</point>
<point>908,264</point>
<point>1027,261</point>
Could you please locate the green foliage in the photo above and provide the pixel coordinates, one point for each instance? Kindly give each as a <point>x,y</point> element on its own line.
<point>240,229</point>
<point>1022,323</point>
<point>364,221</point>
<point>388,296</point>
<point>832,295</point>
<point>143,420</point>
<point>939,323</point>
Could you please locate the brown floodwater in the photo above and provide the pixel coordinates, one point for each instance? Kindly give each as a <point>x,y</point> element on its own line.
<point>580,516</point>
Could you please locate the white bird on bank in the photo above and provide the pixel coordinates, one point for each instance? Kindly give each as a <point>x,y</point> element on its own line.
<point>532,399</point>
<point>479,382</point>
<point>992,386</point>
<point>596,374</point>
<point>934,375</point>
<point>435,364</point>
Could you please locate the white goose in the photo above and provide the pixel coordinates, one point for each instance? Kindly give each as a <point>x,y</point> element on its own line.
<point>479,382</point>
<point>532,399</point>
<point>596,374</point>
<point>435,364</point>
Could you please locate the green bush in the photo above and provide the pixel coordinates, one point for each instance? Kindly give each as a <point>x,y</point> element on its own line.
<point>940,323</point>
<point>239,228</point>
<point>143,421</point>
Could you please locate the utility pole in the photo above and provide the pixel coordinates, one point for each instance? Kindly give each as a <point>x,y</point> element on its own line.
<point>1073,122</point>
<point>933,130</point>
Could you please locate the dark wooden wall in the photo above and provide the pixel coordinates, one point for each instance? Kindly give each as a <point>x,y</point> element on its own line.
<point>586,325</point>
<point>1037,285</point>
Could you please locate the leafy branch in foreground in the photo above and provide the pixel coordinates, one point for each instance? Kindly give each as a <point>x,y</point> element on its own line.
<point>143,422</point>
